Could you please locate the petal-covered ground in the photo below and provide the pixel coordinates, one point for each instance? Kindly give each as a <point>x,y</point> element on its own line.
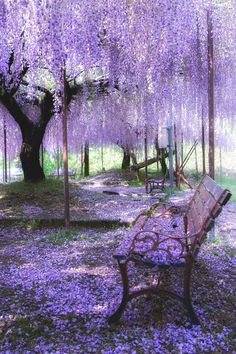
<point>58,289</point>
<point>88,202</point>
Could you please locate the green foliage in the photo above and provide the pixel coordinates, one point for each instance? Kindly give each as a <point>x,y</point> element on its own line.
<point>112,158</point>
<point>49,163</point>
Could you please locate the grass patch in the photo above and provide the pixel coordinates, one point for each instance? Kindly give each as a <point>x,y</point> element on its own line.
<point>135,183</point>
<point>29,328</point>
<point>229,183</point>
<point>63,236</point>
<point>33,189</point>
<point>60,237</point>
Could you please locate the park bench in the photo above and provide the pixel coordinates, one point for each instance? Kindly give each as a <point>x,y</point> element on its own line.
<point>156,184</point>
<point>60,173</point>
<point>170,239</point>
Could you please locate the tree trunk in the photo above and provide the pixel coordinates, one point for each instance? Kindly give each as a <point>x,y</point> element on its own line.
<point>126,159</point>
<point>32,134</point>
<point>30,154</point>
<point>29,157</point>
<point>135,162</point>
<point>156,143</point>
<point>164,168</point>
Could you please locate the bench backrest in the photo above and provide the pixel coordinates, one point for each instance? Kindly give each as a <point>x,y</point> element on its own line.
<point>204,207</point>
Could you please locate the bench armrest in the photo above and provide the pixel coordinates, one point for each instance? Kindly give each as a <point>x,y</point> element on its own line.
<point>134,257</point>
<point>149,242</point>
<point>172,210</point>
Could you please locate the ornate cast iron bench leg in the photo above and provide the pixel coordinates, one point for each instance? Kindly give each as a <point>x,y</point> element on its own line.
<point>187,293</point>
<point>125,297</point>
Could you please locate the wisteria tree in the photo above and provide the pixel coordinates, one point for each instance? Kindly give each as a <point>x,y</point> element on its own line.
<point>19,76</point>
<point>154,54</point>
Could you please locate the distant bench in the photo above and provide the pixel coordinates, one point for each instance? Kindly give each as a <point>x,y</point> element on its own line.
<point>171,239</point>
<point>156,184</point>
<point>71,173</point>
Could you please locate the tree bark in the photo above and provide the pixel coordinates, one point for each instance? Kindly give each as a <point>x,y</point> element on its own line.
<point>163,156</point>
<point>30,155</point>
<point>126,159</point>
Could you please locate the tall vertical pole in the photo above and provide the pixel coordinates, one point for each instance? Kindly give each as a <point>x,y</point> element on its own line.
<point>146,158</point>
<point>211,94</point>
<point>65,154</point>
<point>170,148</point>
<point>203,147</point>
<point>220,162</point>
<point>102,157</point>
<point>82,160</point>
<point>196,161</point>
<point>86,159</point>
<point>211,102</point>
<point>3,168</point>
<point>5,149</point>
<point>157,151</point>
<point>176,158</point>
<point>42,155</point>
<point>170,151</point>
<point>58,160</point>
<point>9,168</point>
<point>182,149</point>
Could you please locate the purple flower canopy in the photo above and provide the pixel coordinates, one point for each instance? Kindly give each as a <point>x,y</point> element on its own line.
<point>152,54</point>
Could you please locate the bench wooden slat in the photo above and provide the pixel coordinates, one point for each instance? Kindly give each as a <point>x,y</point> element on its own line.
<point>212,187</point>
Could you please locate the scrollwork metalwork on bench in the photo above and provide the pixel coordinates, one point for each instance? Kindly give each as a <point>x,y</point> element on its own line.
<point>158,247</point>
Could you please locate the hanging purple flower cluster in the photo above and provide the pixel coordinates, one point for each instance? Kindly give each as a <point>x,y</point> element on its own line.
<point>152,55</point>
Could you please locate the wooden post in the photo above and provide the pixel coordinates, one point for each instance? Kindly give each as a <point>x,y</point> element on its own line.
<point>3,168</point>
<point>157,151</point>
<point>82,160</point>
<point>58,161</point>
<point>203,147</point>
<point>211,95</point>
<point>102,157</point>
<point>65,155</point>
<point>196,162</point>
<point>146,157</point>
<point>170,152</point>
<point>86,159</point>
<point>177,182</point>
<point>182,149</point>
<point>5,149</point>
<point>9,169</point>
<point>211,102</point>
<point>220,162</point>
<point>42,155</point>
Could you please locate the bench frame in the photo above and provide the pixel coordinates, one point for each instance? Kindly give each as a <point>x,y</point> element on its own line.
<point>156,184</point>
<point>190,243</point>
